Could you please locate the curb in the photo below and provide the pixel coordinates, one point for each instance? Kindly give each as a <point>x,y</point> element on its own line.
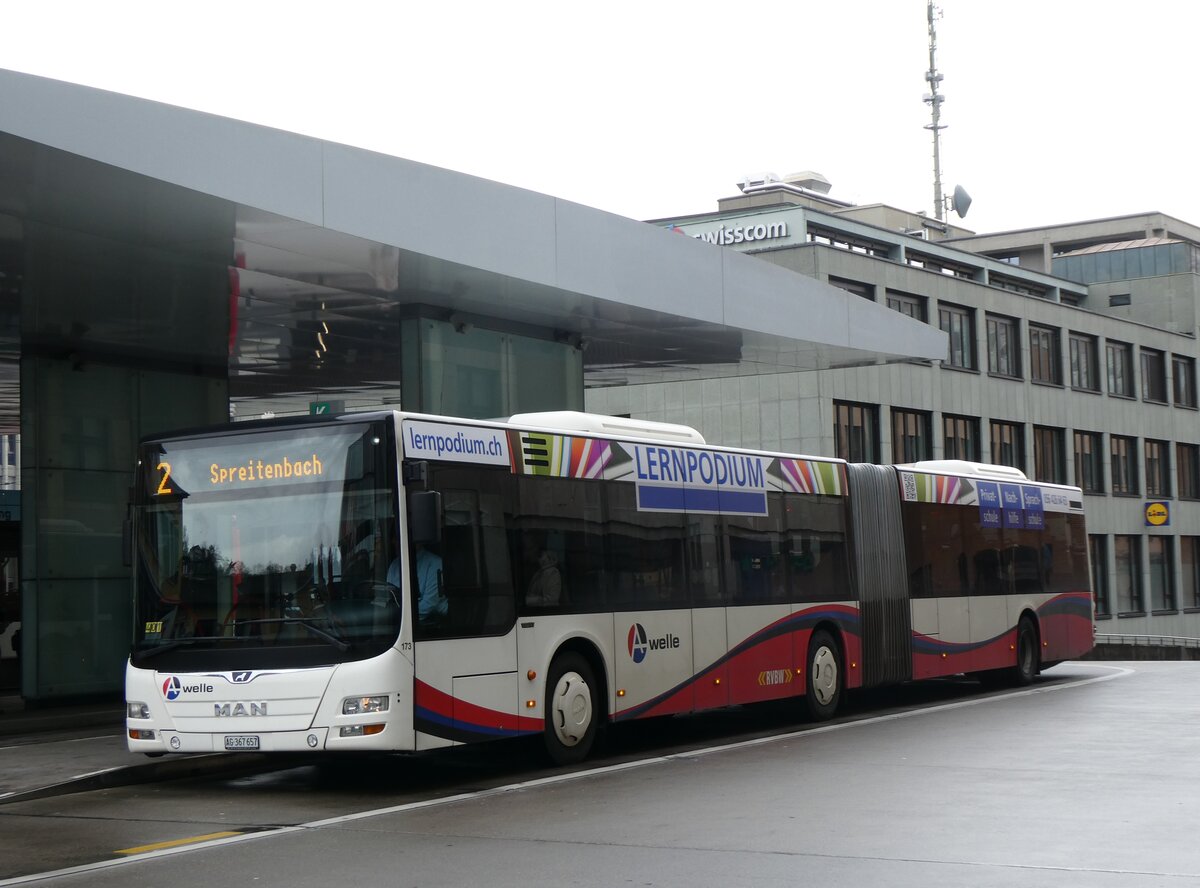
<point>27,722</point>
<point>168,768</point>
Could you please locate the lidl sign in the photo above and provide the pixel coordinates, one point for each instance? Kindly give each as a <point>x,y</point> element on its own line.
<point>1158,514</point>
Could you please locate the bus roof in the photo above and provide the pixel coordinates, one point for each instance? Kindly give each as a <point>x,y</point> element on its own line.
<point>968,469</point>
<point>599,424</point>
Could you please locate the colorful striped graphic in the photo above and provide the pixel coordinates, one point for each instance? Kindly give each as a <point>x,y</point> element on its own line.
<point>939,488</point>
<point>559,456</point>
<point>811,476</point>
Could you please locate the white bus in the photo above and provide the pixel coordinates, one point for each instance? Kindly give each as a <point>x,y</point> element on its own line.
<point>389,581</point>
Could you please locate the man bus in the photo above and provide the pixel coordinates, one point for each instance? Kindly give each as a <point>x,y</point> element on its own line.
<point>281,566</point>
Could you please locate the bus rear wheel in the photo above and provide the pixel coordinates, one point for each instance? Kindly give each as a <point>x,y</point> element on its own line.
<point>571,710</point>
<point>1028,657</point>
<point>1027,666</point>
<point>823,684</point>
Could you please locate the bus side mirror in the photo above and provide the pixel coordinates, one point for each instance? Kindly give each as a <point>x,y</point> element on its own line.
<point>425,516</point>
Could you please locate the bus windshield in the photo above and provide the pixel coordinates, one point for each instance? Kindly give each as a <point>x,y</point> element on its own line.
<point>279,545</point>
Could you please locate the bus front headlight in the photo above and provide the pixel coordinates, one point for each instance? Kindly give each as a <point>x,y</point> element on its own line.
<point>137,710</point>
<point>363,705</point>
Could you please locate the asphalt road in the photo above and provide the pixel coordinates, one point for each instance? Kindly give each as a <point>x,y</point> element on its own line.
<point>1090,778</point>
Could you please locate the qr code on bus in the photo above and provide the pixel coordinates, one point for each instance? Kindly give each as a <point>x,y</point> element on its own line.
<point>910,486</point>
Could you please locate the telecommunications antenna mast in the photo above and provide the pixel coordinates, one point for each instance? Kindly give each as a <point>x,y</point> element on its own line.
<point>934,99</point>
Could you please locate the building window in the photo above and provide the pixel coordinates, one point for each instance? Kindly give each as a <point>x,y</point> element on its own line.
<point>1154,376</point>
<point>1124,465</point>
<point>1098,556</point>
<point>1008,444</point>
<point>1089,462</point>
<point>1004,355</point>
<point>1158,475</point>
<point>959,325</point>
<point>1120,368</point>
<point>856,432</point>
<point>1049,460</point>
<point>1127,561</point>
<point>1119,299</point>
<point>866,291</point>
<point>912,436</point>
<point>1085,363</point>
<point>1187,470</point>
<point>1189,563</point>
<point>1183,380</point>
<point>1162,585</point>
<point>907,304</point>
<point>1045,355</point>
<point>960,438</point>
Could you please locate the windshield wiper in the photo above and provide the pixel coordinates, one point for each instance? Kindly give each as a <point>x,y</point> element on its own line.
<point>150,653</point>
<point>310,625</point>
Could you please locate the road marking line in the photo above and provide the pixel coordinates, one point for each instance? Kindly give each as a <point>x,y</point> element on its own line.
<point>96,773</point>
<point>52,742</point>
<point>175,843</point>
<point>196,845</point>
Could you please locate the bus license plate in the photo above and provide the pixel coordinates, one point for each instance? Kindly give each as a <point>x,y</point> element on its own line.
<point>242,741</point>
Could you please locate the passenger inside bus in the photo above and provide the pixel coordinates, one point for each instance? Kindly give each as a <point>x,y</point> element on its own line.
<point>545,580</point>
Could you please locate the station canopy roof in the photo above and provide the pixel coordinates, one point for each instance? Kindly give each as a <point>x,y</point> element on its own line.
<point>324,236</point>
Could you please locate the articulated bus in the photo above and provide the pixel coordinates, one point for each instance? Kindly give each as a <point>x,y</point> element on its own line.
<point>390,581</point>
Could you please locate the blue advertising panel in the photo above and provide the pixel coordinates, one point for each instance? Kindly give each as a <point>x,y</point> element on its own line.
<point>1010,501</point>
<point>676,479</point>
<point>1035,513</point>
<point>989,504</point>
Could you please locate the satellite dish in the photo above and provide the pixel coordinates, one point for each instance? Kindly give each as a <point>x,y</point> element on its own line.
<point>961,201</point>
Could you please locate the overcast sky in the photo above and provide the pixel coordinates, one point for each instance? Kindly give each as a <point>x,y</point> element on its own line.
<point>1057,110</point>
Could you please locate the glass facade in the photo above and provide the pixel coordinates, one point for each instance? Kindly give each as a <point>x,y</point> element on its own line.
<point>122,295</point>
<point>130,306</point>
<point>462,370</point>
<point>1124,265</point>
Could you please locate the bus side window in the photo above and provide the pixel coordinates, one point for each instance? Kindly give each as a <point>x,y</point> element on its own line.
<point>645,553</point>
<point>558,544</point>
<point>817,539</point>
<point>476,576</point>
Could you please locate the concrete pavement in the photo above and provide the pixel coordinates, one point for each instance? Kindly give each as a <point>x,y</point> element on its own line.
<point>56,750</point>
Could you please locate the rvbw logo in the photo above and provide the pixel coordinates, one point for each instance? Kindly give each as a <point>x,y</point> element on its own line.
<point>639,645</point>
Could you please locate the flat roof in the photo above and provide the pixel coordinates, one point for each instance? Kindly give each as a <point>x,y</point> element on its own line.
<point>370,232</point>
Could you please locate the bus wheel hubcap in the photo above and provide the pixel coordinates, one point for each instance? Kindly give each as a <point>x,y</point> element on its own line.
<point>571,709</point>
<point>824,675</point>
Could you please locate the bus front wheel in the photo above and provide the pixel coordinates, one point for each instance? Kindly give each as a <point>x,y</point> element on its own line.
<point>823,687</point>
<point>571,709</point>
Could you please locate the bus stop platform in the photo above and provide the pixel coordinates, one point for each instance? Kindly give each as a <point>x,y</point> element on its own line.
<point>55,750</point>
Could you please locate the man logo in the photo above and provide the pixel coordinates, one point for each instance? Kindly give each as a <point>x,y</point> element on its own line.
<point>637,642</point>
<point>240,677</point>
